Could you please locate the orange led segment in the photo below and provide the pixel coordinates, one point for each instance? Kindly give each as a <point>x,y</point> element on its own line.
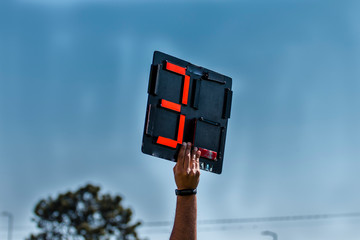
<point>170,105</point>
<point>175,68</point>
<point>176,107</point>
<point>181,129</point>
<point>182,71</point>
<point>186,89</point>
<point>167,142</point>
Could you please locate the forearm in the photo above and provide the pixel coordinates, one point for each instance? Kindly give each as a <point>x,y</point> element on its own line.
<point>187,176</point>
<point>185,218</point>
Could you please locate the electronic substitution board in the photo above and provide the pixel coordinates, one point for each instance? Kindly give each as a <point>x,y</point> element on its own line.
<point>186,103</point>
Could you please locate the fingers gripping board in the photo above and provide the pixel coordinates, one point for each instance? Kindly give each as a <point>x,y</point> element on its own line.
<point>186,103</point>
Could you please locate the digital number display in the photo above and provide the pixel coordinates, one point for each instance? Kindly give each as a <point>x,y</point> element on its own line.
<point>186,103</point>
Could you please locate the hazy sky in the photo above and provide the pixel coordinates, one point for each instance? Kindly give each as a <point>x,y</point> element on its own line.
<point>73,92</point>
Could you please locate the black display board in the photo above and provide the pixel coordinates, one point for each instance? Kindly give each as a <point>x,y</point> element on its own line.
<point>186,103</point>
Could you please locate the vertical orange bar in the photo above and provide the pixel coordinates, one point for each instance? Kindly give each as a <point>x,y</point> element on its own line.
<point>181,129</point>
<point>186,89</point>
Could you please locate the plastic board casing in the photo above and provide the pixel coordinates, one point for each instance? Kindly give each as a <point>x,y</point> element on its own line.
<point>186,103</point>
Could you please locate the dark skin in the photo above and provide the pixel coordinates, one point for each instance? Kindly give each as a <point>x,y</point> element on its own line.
<point>187,176</point>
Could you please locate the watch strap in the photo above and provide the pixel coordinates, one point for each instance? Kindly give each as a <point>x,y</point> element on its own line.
<point>185,192</point>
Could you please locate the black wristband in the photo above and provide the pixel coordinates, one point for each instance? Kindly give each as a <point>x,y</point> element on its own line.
<point>185,192</point>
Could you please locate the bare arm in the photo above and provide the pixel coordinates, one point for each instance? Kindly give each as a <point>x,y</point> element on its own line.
<point>187,176</point>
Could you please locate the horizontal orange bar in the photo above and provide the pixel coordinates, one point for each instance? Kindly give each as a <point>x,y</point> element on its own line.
<point>167,142</point>
<point>170,105</point>
<point>175,68</point>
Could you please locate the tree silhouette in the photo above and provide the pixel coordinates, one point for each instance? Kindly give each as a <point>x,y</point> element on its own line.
<point>84,214</point>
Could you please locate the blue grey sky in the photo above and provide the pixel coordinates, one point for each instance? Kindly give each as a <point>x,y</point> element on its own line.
<point>73,92</point>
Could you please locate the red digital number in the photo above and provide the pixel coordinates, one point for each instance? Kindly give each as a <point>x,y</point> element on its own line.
<point>176,107</point>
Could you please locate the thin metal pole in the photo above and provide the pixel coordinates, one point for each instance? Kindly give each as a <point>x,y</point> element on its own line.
<point>269,233</point>
<point>10,223</point>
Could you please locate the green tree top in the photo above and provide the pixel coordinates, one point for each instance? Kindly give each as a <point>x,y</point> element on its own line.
<point>84,214</point>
